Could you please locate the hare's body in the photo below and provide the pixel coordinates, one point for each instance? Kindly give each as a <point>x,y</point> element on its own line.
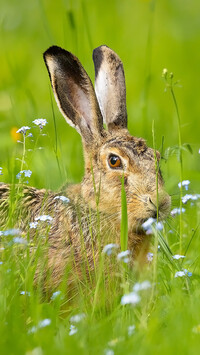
<point>92,216</point>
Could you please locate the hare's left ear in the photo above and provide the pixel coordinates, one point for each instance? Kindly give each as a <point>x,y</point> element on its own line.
<point>110,87</point>
<point>74,93</point>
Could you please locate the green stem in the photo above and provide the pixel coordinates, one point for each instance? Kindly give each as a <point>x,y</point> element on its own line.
<point>181,166</point>
<point>22,161</point>
<point>124,218</point>
<point>155,251</point>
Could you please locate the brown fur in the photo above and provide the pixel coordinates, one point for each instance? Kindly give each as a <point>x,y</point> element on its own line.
<point>75,227</point>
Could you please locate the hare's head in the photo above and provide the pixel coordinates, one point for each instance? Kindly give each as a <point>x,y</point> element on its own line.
<point>109,153</point>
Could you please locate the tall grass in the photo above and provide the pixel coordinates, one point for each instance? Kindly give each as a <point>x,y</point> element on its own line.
<point>164,316</point>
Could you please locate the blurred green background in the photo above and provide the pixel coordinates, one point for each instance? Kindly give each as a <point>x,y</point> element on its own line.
<point>147,35</point>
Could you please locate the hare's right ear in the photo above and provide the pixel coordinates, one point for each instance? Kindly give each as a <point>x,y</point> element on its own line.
<point>74,93</point>
<point>110,87</point>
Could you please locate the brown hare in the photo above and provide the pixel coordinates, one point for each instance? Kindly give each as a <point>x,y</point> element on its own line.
<point>90,216</point>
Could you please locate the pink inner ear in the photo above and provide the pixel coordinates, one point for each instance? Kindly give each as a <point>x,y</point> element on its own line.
<point>82,104</point>
<point>79,98</point>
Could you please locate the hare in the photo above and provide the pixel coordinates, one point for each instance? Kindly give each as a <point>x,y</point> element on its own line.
<point>92,215</point>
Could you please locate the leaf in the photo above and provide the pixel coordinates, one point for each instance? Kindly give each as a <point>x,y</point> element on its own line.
<point>124,218</point>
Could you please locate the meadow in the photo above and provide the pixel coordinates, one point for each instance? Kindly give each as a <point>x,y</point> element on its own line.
<point>161,310</point>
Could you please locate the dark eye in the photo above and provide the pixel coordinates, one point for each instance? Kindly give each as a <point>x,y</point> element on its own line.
<point>114,161</point>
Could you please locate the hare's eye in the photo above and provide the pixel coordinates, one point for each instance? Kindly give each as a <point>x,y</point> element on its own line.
<point>114,161</point>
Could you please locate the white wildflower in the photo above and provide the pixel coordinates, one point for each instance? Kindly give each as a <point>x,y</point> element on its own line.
<point>159,226</point>
<point>140,286</point>
<point>19,240</point>
<point>55,295</point>
<point>177,256</point>
<point>108,249</point>
<point>77,318</point>
<point>148,223</point>
<point>25,293</point>
<point>62,198</point>
<point>43,323</point>
<point>27,173</point>
<point>182,273</point>
<point>179,274</point>
<point>72,330</point>
<point>44,218</point>
<point>152,222</point>
<point>130,298</point>
<point>124,256</point>
<point>184,183</point>
<point>11,232</point>
<point>33,224</point>
<point>176,211</point>
<point>23,130</point>
<point>109,352</point>
<point>41,122</point>
<point>188,197</point>
<point>131,330</point>
<point>1,171</point>
<point>149,256</point>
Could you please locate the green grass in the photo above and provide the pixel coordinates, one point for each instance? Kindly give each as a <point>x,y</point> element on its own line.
<point>148,36</point>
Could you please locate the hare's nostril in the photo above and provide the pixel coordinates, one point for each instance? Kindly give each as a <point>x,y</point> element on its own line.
<point>154,214</point>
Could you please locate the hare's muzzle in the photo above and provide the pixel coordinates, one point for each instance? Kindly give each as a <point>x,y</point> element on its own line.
<point>160,204</point>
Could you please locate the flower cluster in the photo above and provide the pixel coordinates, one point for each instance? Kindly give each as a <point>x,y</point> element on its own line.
<point>11,232</point>
<point>41,122</point>
<point>62,198</point>
<point>16,234</point>
<point>176,211</point>
<point>25,293</point>
<point>43,323</point>
<point>133,297</point>
<point>177,257</point>
<point>42,218</point>
<point>23,130</point>
<point>1,171</point>
<point>27,173</point>
<point>109,248</point>
<point>184,183</point>
<point>75,319</point>
<point>124,256</point>
<point>150,256</point>
<point>19,240</point>
<point>182,273</point>
<point>152,222</point>
<point>189,197</point>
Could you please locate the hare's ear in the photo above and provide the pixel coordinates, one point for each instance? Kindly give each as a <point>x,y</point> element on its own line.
<point>110,87</point>
<point>74,93</point>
